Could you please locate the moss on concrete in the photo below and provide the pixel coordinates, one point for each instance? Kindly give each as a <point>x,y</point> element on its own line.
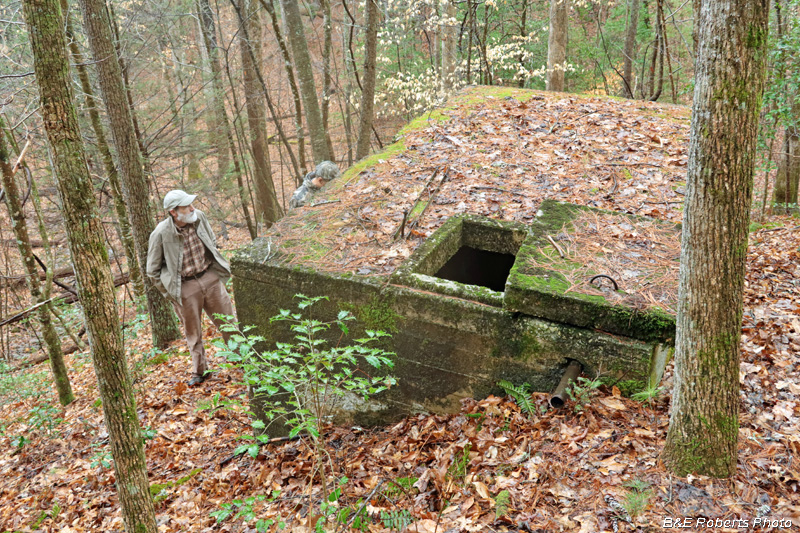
<point>454,340</point>
<point>377,315</point>
<point>544,292</point>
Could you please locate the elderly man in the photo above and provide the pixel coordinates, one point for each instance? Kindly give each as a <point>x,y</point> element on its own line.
<point>184,264</point>
<point>314,181</point>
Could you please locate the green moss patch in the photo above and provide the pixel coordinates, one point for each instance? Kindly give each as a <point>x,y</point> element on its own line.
<point>598,269</point>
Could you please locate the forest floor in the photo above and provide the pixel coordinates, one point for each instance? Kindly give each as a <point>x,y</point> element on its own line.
<point>588,467</point>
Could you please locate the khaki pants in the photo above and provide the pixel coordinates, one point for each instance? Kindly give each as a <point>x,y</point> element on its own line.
<point>203,293</point>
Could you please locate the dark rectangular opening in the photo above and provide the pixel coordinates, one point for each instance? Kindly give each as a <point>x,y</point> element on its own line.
<point>472,266</point>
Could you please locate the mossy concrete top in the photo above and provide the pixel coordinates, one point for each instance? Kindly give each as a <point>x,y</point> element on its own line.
<point>565,272</point>
<point>504,151</point>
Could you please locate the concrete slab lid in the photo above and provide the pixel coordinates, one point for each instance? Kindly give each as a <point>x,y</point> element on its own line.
<point>552,281</point>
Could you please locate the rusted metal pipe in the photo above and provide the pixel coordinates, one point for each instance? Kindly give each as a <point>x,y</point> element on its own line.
<point>570,374</point>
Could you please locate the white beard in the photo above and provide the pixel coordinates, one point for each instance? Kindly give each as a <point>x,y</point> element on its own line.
<point>190,218</point>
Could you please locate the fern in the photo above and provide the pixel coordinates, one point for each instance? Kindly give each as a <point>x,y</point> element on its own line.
<point>520,394</point>
<point>501,503</point>
<point>396,520</point>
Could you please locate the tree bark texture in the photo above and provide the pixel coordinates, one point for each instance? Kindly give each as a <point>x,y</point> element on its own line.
<point>557,45</point>
<point>370,74</point>
<point>90,258</point>
<point>729,82</point>
<point>327,27</point>
<point>629,51</point>
<point>449,58</point>
<point>220,134</point>
<point>788,177</point>
<point>97,24</point>
<point>108,161</point>
<point>298,108</point>
<point>20,227</point>
<point>268,209</point>
<point>305,75</point>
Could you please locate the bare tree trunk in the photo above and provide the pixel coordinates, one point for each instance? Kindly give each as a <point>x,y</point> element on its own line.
<point>368,92</point>
<point>729,81</point>
<point>788,177</point>
<point>187,108</point>
<point>557,45</point>
<point>629,52</point>
<point>298,108</point>
<point>523,32</point>
<point>470,27</point>
<point>449,43</point>
<point>327,31</point>
<point>487,67</point>
<point>268,209</point>
<point>20,227</point>
<point>220,133</point>
<point>305,75</point>
<point>126,83</point>
<point>659,52</point>
<point>134,183</point>
<point>108,161</point>
<point>351,74</point>
<point>90,258</point>
<point>226,149</point>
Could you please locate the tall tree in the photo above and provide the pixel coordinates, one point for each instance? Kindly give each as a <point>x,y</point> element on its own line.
<point>704,423</point>
<point>629,51</point>
<point>90,259</point>
<point>327,49</point>
<point>97,24</point>
<point>268,208</point>
<point>105,153</point>
<point>368,88</point>
<point>788,176</point>
<point>557,45</point>
<point>305,75</point>
<point>450,43</point>
<point>20,227</point>
<point>269,6</point>
<point>220,131</point>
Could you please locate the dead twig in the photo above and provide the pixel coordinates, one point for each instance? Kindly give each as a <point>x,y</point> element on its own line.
<point>560,251</point>
<point>317,204</point>
<point>555,125</point>
<point>486,187</point>
<point>614,188</point>
<point>415,224</point>
<point>21,157</point>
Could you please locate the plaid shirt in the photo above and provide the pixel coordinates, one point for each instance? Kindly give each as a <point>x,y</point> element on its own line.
<point>195,259</point>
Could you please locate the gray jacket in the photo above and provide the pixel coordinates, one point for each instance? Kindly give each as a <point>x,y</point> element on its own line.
<point>165,255</point>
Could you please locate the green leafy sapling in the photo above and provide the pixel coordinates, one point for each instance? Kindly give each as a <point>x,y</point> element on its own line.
<point>300,383</point>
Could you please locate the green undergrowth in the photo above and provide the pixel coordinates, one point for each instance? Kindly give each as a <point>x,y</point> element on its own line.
<point>160,491</point>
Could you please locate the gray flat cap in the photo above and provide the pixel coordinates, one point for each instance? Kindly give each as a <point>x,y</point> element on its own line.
<point>177,198</point>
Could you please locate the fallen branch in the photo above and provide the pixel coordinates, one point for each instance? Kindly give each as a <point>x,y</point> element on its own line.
<point>432,195</point>
<point>15,281</point>
<point>65,350</point>
<point>486,187</point>
<point>119,280</point>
